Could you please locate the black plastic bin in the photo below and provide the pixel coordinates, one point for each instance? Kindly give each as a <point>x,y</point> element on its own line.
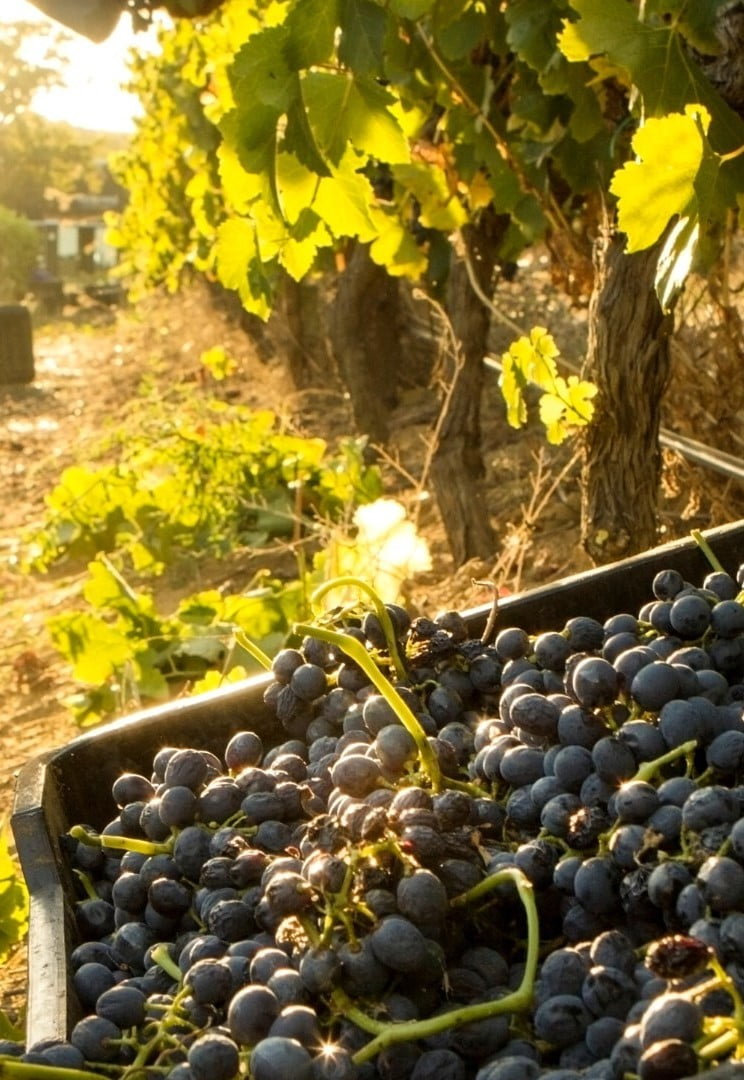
<point>16,345</point>
<point>73,784</point>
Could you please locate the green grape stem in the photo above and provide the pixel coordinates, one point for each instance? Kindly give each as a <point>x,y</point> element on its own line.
<point>380,610</point>
<point>120,843</point>
<point>518,1001</point>
<point>356,651</point>
<point>14,1069</point>
<point>162,958</point>
<point>707,550</point>
<point>648,770</point>
<point>242,639</point>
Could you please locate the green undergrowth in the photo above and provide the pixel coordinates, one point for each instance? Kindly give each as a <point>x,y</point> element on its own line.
<point>184,479</point>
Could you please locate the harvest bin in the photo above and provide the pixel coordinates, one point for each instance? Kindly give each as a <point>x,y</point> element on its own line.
<point>72,785</point>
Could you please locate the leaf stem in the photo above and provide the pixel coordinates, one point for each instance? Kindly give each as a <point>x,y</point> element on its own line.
<point>356,651</point>
<point>517,1001</point>
<point>120,843</point>
<point>351,581</point>
<point>707,550</point>
<point>252,649</point>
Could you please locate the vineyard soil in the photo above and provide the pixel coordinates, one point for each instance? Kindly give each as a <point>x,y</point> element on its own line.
<point>91,367</point>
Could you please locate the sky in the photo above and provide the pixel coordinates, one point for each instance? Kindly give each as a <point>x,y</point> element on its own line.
<point>93,97</point>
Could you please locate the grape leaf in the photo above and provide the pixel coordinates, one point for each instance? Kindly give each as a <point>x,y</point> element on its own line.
<point>299,138</point>
<point>411,9</point>
<point>661,184</point>
<point>94,647</point>
<point>363,26</point>
<point>564,404</point>
<point>440,207</point>
<point>395,248</point>
<point>342,109</point>
<point>655,60</point>
<point>260,73</point>
<point>236,244</point>
<point>343,201</point>
<point>296,184</point>
<point>311,29</point>
<point>14,910</point>
<point>695,18</point>
<point>240,187</point>
<point>568,406</point>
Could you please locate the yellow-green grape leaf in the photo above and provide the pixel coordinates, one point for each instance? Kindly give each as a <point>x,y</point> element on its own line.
<point>535,357</point>
<point>661,183</point>
<point>236,244</point>
<point>239,187</point>
<point>311,26</point>
<point>395,247</point>
<point>440,208</point>
<point>95,647</point>
<point>343,201</point>
<point>13,898</point>
<point>512,384</point>
<point>553,417</point>
<point>568,407</point>
<point>579,394</point>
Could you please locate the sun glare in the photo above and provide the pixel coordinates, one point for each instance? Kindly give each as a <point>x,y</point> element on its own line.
<point>92,96</point>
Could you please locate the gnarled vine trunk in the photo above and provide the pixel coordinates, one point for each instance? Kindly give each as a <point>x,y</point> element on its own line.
<point>628,358</point>
<point>457,464</point>
<point>365,334</point>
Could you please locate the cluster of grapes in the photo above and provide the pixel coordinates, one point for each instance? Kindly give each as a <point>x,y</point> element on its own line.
<point>464,861</point>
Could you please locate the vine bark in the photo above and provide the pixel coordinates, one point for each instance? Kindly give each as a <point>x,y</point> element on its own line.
<point>628,357</point>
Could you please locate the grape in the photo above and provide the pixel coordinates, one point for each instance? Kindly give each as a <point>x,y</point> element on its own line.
<point>561,1020</point>
<point>277,1057</point>
<point>122,1005</point>
<point>326,864</point>
<point>584,633</point>
<point>95,1038</point>
<point>667,1059</point>
<point>299,1022</point>
<point>308,682</point>
<point>654,685</point>
<point>594,682</point>
<point>671,1016</point>
<point>422,898</point>
<point>690,616</point>
<point>608,991</point>
<point>534,714</point>
<point>251,1013</point>
<point>131,787</point>
<point>512,643</point>
<point>721,881</point>
<point>185,768</point>
<point>213,1056</point>
<point>613,759</point>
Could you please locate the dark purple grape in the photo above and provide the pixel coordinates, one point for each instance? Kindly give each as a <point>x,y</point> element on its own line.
<point>671,1016</point>
<point>96,1038</point>
<point>251,1013</point>
<point>186,768</point>
<point>594,682</point>
<point>276,1057</point>
<point>668,1059</point>
<point>131,787</point>
<point>561,1020</point>
<point>213,1056</point>
<point>666,584</point>
<point>299,1022</point>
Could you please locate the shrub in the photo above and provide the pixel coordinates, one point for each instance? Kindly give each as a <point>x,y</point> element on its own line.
<point>19,248</point>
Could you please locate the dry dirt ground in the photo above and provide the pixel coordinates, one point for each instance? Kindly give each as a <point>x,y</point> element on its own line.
<point>89,365</point>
